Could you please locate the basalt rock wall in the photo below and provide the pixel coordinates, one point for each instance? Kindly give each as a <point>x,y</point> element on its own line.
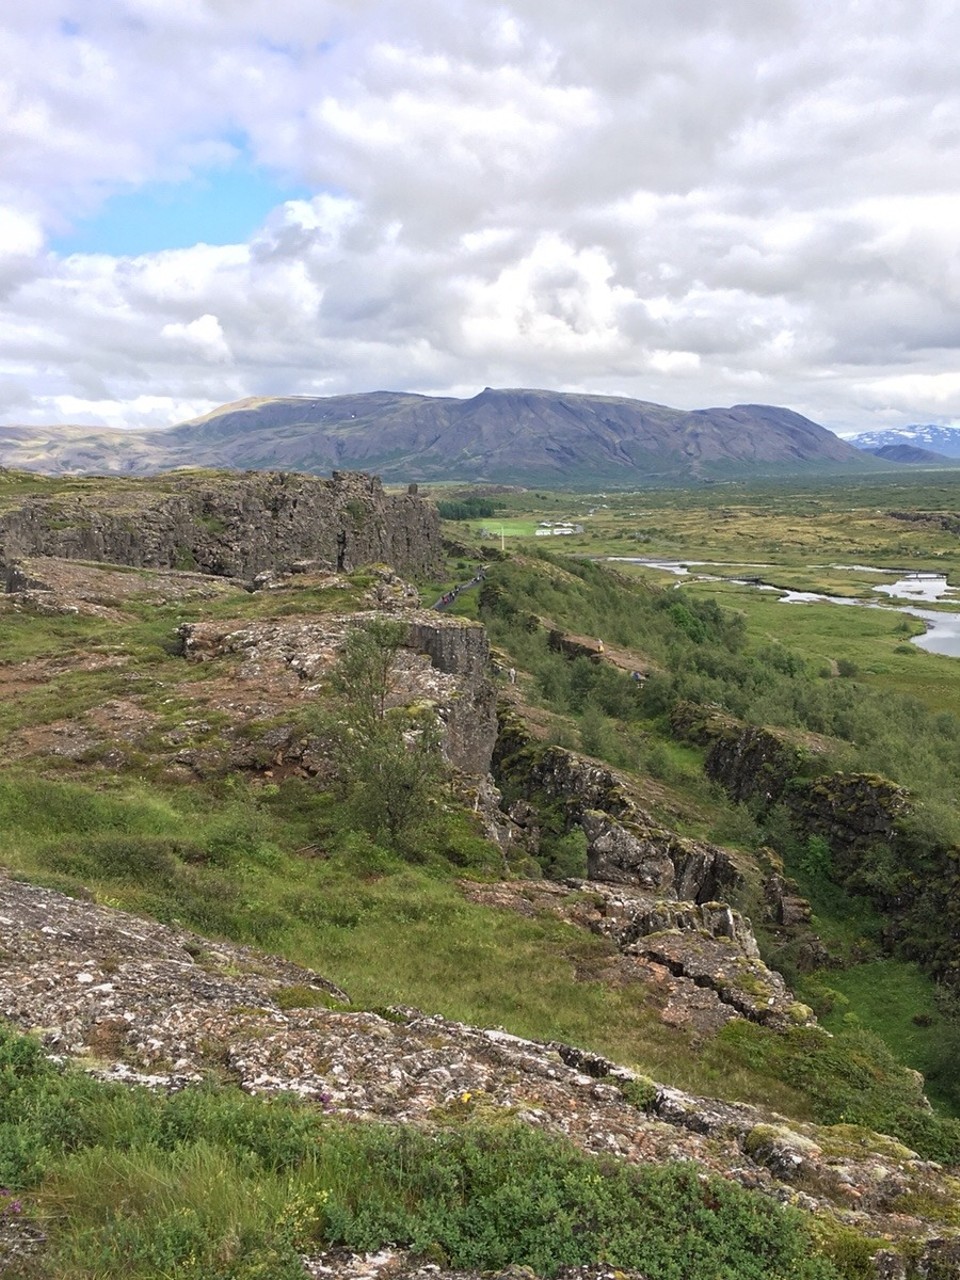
<point>233,526</point>
<point>624,844</point>
<point>746,760</point>
<point>849,810</point>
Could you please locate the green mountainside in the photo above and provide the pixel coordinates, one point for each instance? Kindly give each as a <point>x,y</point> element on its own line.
<point>511,436</point>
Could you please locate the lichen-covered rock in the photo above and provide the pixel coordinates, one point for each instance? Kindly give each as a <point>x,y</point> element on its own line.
<point>849,810</point>
<point>145,1003</point>
<point>397,1264</point>
<point>617,855</point>
<point>228,525</point>
<point>786,1153</point>
<point>443,664</point>
<point>624,844</point>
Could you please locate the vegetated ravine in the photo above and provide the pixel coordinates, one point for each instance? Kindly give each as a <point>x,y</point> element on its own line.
<point>262,887</point>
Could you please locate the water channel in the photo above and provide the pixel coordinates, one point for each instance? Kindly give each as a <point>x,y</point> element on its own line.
<point>943,629</point>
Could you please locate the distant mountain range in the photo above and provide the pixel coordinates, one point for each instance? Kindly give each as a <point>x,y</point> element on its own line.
<point>941,441</point>
<point>506,436</point>
<point>909,453</point>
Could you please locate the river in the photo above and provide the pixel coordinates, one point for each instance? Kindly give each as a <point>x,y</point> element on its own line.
<point>943,629</point>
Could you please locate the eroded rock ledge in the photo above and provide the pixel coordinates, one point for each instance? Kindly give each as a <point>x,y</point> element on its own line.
<point>444,663</point>
<point>624,843</point>
<point>228,525</point>
<point>142,1002</point>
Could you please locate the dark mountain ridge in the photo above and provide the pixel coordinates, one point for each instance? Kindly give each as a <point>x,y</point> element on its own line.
<point>909,453</point>
<point>506,435</point>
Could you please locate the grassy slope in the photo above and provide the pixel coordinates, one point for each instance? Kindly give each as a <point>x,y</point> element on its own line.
<point>871,641</point>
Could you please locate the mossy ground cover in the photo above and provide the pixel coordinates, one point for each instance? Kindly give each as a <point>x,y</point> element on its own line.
<point>212,1184</point>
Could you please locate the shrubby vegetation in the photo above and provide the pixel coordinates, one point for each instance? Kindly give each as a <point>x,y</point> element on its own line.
<point>703,658</point>
<point>701,654</point>
<point>210,1184</point>
<point>388,760</point>
<point>465,508</point>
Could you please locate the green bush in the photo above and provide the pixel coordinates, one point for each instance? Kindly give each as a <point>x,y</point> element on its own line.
<point>564,857</point>
<point>210,1184</point>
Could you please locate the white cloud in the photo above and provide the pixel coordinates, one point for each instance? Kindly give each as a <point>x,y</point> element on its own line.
<point>681,202</point>
<point>203,336</point>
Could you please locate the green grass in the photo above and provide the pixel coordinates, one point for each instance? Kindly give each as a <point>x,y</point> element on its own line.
<point>210,1184</point>
<point>222,857</point>
<point>896,1000</point>
<point>509,528</point>
<point>226,867</point>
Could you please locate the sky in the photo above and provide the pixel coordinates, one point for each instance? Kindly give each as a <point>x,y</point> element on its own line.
<point>697,203</point>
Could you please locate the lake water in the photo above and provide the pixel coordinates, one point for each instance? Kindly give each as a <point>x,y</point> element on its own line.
<point>943,629</point>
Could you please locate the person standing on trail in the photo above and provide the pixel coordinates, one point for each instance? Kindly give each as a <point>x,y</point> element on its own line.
<point>512,673</point>
<point>599,646</point>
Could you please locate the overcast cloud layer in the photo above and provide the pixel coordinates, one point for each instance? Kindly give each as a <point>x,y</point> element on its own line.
<point>687,202</point>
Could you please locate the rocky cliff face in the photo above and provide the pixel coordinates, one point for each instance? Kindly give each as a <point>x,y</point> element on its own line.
<point>228,525</point>
<point>871,847</point>
<point>747,761</point>
<point>850,810</point>
<point>443,664</point>
<point>624,844</point>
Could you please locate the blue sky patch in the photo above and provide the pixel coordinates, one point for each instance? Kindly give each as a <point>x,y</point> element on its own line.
<point>223,206</point>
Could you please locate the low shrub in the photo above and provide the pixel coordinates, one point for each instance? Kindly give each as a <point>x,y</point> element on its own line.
<point>210,1183</point>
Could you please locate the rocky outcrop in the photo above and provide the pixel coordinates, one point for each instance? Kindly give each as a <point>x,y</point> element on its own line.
<point>862,823</point>
<point>443,665</point>
<point>574,647</point>
<point>273,650</point>
<point>145,1003</point>
<point>849,810</point>
<point>744,759</point>
<point>228,525</point>
<point>624,844</point>
<point>709,949</point>
<point>617,855</point>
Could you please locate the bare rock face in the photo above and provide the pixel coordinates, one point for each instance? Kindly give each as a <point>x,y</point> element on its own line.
<point>620,856</point>
<point>228,525</point>
<point>624,843</point>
